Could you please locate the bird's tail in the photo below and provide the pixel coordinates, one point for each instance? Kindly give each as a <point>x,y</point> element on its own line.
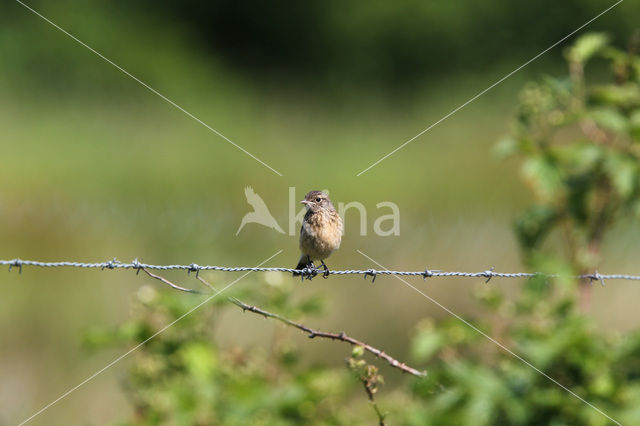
<point>302,263</point>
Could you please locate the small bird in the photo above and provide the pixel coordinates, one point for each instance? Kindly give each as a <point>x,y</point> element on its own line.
<point>321,231</point>
<point>260,213</point>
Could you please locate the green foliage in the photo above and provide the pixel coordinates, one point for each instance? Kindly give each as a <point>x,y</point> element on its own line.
<point>580,147</point>
<point>579,151</point>
<point>474,382</point>
<point>386,45</point>
<point>182,376</point>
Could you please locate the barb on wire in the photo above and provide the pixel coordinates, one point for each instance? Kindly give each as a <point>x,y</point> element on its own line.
<point>307,273</point>
<point>333,336</point>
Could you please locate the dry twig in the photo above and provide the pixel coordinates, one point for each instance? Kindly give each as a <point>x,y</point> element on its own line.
<point>169,283</point>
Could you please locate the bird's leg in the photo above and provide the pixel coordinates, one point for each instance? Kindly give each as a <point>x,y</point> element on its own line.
<point>310,263</point>
<point>312,268</point>
<point>325,275</point>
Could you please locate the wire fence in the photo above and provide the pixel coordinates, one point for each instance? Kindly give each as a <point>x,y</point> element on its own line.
<point>308,272</point>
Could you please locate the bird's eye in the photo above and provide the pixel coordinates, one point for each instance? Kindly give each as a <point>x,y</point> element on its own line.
<point>318,200</point>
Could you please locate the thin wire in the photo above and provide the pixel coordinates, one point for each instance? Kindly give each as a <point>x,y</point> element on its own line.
<point>490,87</point>
<point>149,87</point>
<point>503,347</point>
<point>140,344</point>
<point>309,272</point>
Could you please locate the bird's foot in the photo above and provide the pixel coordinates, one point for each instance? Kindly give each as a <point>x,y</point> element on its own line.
<point>312,271</point>
<point>326,272</point>
<point>310,274</point>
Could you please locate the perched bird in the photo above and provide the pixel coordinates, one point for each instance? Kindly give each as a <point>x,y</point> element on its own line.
<point>260,213</point>
<point>321,231</point>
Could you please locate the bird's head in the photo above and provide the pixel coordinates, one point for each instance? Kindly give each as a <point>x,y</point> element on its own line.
<point>317,201</point>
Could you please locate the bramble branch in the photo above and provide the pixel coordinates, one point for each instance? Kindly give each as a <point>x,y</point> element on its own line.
<point>332,336</point>
<point>169,283</point>
<point>312,333</point>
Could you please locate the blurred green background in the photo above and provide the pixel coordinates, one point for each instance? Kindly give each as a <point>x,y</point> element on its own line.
<point>94,166</point>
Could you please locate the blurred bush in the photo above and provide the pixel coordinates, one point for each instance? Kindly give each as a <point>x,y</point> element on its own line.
<point>383,45</point>
<point>580,143</point>
<point>579,146</point>
<point>183,377</point>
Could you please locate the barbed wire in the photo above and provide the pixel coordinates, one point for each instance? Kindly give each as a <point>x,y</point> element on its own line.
<point>309,273</point>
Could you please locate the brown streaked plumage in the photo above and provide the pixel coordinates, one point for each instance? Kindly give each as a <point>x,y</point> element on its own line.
<point>321,230</point>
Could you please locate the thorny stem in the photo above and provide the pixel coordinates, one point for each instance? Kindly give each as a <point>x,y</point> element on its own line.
<point>332,336</point>
<point>205,282</point>
<point>169,283</point>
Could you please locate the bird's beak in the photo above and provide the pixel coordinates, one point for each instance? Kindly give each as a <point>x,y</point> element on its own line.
<point>305,202</point>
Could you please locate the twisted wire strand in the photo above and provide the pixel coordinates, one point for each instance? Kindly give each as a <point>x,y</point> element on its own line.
<point>307,272</point>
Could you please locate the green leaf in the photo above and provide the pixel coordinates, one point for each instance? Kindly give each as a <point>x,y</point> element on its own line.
<point>199,359</point>
<point>623,171</point>
<point>427,341</point>
<point>624,96</point>
<point>635,65</point>
<point>634,124</point>
<point>357,351</point>
<point>579,187</point>
<point>543,176</point>
<point>534,225</point>
<point>586,46</point>
<point>609,119</point>
<point>580,157</point>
